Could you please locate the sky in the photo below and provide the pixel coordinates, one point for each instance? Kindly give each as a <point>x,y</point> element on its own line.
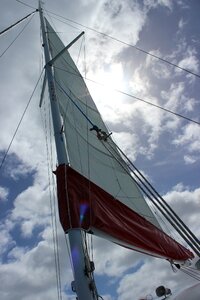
<point>164,147</point>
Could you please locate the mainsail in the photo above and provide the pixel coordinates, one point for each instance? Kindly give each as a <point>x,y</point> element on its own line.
<point>96,192</point>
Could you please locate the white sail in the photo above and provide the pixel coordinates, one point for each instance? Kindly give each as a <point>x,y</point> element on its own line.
<point>87,154</point>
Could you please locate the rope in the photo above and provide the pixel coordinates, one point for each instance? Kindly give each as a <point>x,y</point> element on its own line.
<point>20,121</point>
<point>129,95</point>
<point>186,271</point>
<point>137,98</point>
<point>150,192</point>
<point>25,4</point>
<point>79,53</point>
<point>16,37</point>
<point>129,45</point>
<point>69,254</point>
<point>61,88</point>
<point>52,207</point>
<point>13,25</point>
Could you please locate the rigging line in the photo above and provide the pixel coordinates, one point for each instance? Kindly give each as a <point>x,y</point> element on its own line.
<point>25,4</point>
<point>129,45</point>
<point>79,51</point>
<point>69,253</point>
<point>56,239</point>
<point>137,98</point>
<point>180,229</point>
<point>163,223</point>
<point>190,274</point>
<point>16,36</point>
<point>130,95</point>
<point>164,214</point>
<point>185,228</point>
<point>54,204</point>
<point>154,202</point>
<point>20,121</point>
<point>90,236</point>
<point>192,270</point>
<point>160,107</point>
<point>77,138</point>
<point>51,204</point>
<point>63,21</point>
<point>61,88</point>
<point>13,25</point>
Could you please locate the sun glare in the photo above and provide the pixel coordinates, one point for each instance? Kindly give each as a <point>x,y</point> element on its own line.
<point>105,92</point>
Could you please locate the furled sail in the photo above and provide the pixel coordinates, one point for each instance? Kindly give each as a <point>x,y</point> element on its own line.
<point>96,177</point>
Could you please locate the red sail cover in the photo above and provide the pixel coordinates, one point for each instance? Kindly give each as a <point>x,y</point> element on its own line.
<point>82,204</point>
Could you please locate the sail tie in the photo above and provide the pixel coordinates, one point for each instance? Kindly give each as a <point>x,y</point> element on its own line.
<point>102,135</point>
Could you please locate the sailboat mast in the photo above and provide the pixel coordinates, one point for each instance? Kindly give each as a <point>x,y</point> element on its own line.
<point>83,285</point>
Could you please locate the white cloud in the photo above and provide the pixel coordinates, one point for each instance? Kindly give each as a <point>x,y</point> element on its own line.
<point>7,242</point>
<point>173,96</point>
<point>4,192</point>
<point>189,159</point>
<point>158,68</point>
<point>29,273</point>
<point>189,138</point>
<point>145,281</point>
<point>186,204</point>
<point>139,83</point>
<point>112,260</point>
<point>190,61</point>
<point>154,3</point>
<point>31,277</point>
<point>182,23</point>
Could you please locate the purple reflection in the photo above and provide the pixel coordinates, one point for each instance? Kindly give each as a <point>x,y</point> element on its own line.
<point>83,209</point>
<point>75,255</point>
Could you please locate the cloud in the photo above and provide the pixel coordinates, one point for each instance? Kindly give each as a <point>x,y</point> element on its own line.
<point>189,159</point>
<point>155,3</point>
<point>145,281</point>
<point>112,260</point>
<point>190,61</point>
<point>31,209</point>
<point>189,138</point>
<point>4,192</point>
<point>27,269</point>
<point>185,203</point>
<point>30,277</point>
<point>7,243</point>
<point>181,23</point>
